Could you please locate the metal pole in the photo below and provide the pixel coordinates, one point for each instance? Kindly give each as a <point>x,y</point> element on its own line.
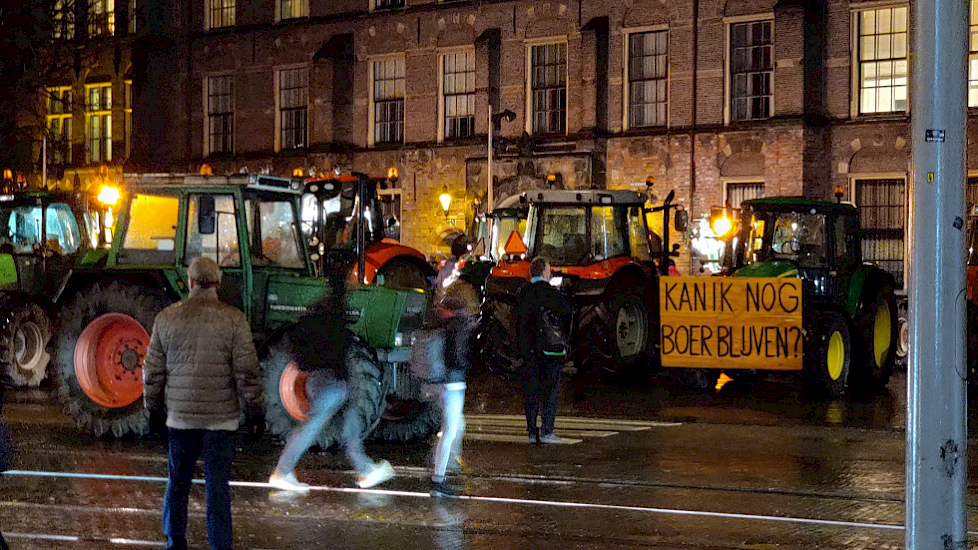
<point>489,167</point>
<point>937,404</point>
<point>44,162</point>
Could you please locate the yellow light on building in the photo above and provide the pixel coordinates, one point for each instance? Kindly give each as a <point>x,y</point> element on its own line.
<point>446,200</point>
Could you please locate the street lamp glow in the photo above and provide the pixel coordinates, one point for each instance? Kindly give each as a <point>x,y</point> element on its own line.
<point>446,200</point>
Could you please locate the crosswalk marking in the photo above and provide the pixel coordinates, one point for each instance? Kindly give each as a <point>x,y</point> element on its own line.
<point>511,428</point>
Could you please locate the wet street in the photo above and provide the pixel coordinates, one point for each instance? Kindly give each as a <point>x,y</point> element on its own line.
<point>649,466</point>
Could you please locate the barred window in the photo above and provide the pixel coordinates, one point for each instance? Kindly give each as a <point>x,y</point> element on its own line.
<point>388,4</point>
<point>292,9</point>
<point>883,215</point>
<point>59,124</point>
<point>647,74</point>
<point>388,99</point>
<point>458,89</point>
<point>221,13</point>
<point>101,17</point>
<point>751,70</point>
<point>548,88</point>
<point>882,60</point>
<point>739,192</point>
<point>98,115</point>
<point>64,20</point>
<point>220,114</point>
<point>293,97</point>
<point>973,56</point>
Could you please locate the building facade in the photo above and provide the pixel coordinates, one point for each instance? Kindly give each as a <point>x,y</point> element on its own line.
<point>718,100</point>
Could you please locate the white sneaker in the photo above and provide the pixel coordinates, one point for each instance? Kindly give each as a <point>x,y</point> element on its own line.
<point>287,482</point>
<point>382,472</point>
<point>552,439</point>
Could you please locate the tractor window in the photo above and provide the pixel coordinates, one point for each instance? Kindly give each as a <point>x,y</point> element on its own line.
<point>502,228</point>
<point>22,230</point>
<point>608,231</point>
<point>274,235</point>
<point>63,234</point>
<point>842,254</point>
<point>219,238</point>
<point>152,230</point>
<point>638,235</point>
<point>794,236</point>
<point>561,235</point>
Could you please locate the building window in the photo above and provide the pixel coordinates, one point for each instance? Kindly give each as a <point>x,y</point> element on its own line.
<point>973,56</point>
<point>751,70</point>
<point>292,9</point>
<point>548,88</point>
<point>64,20</point>
<point>98,117</point>
<point>132,17</point>
<point>388,100</point>
<point>882,60</point>
<point>101,17</point>
<point>127,115</point>
<point>883,216</point>
<point>458,92</point>
<point>647,77</point>
<point>743,191</point>
<point>221,13</point>
<point>220,114</point>
<point>293,101</point>
<point>387,4</point>
<point>59,124</point>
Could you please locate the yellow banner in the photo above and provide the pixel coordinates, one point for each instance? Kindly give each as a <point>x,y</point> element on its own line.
<point>731,322</point>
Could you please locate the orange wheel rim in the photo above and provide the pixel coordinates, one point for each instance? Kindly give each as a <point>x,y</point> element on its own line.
<point>109,360</point>
<point>292,391</point>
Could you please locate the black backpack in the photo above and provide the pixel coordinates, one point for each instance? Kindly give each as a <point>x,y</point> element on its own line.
<point>553,337</point>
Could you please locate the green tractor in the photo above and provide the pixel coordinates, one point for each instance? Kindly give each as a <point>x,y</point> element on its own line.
<point>43,235</point>
<point>250,225</point>
<point>849,311</point>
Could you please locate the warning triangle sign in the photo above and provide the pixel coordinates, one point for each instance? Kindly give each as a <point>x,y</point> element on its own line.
<point>514,244</point>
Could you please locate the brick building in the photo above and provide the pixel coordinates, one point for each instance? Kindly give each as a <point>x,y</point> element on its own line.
<point>719,100</point>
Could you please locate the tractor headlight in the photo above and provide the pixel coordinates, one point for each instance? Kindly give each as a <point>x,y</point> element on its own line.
<point>399,339</point>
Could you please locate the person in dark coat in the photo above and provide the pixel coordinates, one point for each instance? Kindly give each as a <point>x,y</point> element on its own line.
<point>200,372</point>
<point>541,367</point>
<point>319,343</point>
<point>453,316</point>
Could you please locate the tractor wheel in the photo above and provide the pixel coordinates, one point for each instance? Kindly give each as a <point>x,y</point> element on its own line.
<point>496,339</point>
<point>877,326</point>
<point>695,380</point>
<point>903,337</point>
<point>404,275</point>
<point>616,332</point>
<point>828,354</point>
<point>102,340</point>
<point>288,404</point>
<point>409,414</point>
<point>24,336</point>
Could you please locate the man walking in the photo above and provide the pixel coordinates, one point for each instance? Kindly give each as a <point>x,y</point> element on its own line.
<point>543,322</point>
<point>200,371</point>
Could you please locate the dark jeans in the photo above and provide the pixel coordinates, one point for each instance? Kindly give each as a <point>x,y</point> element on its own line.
<point>541,375</point>
<point>186,446</point>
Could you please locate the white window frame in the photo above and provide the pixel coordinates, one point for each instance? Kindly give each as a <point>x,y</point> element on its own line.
<point>853,176</point>
<point>105,124</point>
<point>278,104</point>
<point>727,77</point>
<point>528,83</point>
<point>627,89</point>
<point>62,116</point>
<point>300,9</point>
<point>855,83</point>
<point>371,115</point>
<point>755,180</point>
<point>209,7</point>
<point>205,89</point>
<point>441,89</point>
<point>373,6</point>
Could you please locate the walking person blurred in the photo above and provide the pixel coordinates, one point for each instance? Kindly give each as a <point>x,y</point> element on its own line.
<point>200,372</point>
<point>319,344</point>
<point>453,317</point>
<point>543,320</point>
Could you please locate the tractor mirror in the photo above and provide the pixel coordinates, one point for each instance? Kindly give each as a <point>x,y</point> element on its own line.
<point>681,222</point>
<point>206,215</point>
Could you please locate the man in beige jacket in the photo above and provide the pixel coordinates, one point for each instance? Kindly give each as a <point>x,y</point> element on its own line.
<point>202,369</point>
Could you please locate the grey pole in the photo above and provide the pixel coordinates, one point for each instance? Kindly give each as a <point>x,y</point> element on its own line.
<point>937,402</point>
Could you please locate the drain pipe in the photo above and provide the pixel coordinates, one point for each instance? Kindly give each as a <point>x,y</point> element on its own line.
<point>692,125</point>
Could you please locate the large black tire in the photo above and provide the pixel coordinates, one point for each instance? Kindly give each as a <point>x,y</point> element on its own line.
<point>903,336</point>
<point>876,327</point>
<point>828,354</point>
<point>25,332</point>
<point>496,338</point>
<point>139,302</point>
<point>366,398</point>
<point>403,274</point>
<point>616,334</point>
<point>696,380</point>
<point>409,415</point>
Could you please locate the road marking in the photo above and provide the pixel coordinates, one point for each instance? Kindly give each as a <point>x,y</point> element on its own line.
<point>504,500</point>
<point>511,428</point>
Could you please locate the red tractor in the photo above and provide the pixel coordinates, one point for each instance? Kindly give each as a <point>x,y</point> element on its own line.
<point>332,208</point>
<point>605,259</point>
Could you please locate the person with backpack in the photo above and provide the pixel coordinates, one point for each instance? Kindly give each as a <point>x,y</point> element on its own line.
<point>543,321</point>
<point>319,343</point>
